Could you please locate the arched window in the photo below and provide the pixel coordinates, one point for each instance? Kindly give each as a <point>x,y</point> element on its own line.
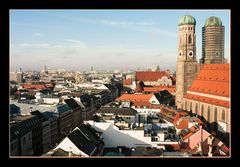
<point>202,110</point>
<point>223,115</point>
<point>189,39</point>
<point>186,105</point>
<point>215,115</point>
<point>196,108</point>
<point>215,120</point>
<point>208,114</point>
<point>190,109</point>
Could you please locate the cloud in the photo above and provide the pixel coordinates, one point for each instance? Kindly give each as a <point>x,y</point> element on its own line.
<point>77,43</point>
<point>39,45</point>
<point>38,34</point>
<point>35,25</point>
<point>125,23</point>
<point>35,45</point>
<point>24,44</point>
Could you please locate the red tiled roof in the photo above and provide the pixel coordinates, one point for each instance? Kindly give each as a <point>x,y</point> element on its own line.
<point>150,75</point>
<point>33,86</point>
<point>214,101</point>
<point>192,130</point>
<point>213,79</point>
<point>127,81</point>
<point>172,115</point>
<point>183,124</point>
<point>135,97</point>
<point>142,104</point>
<point>159,88</point>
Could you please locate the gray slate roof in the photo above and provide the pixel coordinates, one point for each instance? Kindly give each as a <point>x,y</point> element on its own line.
<point>117,111</point>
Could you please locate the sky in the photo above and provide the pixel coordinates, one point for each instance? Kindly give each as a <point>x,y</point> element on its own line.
<point>104,39</point>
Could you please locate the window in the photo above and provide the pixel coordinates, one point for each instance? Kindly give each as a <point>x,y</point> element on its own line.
<point>189,39</point>
<point>215,115</point>
<point>208,116</point>
<point>196,108</point>
<point>202,110</point>
<point>191,106</point>
<point>223,115</point>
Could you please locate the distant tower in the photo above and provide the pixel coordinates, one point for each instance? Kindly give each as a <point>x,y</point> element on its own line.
<point>186,62</point>
<point>91,68</point>
<point>158,68</point>
<point>213,41</point>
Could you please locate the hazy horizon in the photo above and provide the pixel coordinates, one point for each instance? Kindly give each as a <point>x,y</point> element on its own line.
<point>104,39</point>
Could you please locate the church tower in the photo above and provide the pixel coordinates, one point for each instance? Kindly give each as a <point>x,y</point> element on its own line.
<point>213,41</point>
<point>186,69</point>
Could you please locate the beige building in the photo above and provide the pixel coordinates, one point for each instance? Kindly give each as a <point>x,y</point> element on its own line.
<point>151,78</point>
<point>209,97</point>
<point>16,76</point>
<point>187,66</point>
<point>213,41</point>
<point>203,89</point>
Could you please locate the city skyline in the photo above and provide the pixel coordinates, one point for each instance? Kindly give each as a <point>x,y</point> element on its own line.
<point>104,39</point>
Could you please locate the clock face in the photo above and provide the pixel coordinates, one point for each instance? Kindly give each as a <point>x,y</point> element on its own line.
<point>190,53</point>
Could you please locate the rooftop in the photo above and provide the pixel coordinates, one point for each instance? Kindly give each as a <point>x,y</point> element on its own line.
<point>213,79</point>
<point>150,75</point>
<point>208,100</point>
<point>127,81</point>
<point>26,108</point>
<point>213,21</point>
<point>135,97</point>
<point>72,103</point>
<point>186,19</point>
<point>117,111</point>
<point>160,88</point>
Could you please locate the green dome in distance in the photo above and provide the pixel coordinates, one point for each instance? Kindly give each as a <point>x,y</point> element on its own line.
<point>186,20</point>
<point>213,21</point>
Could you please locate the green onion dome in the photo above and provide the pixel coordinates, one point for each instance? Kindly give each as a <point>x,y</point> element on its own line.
<point>213,21</point>
<point>186,20</point>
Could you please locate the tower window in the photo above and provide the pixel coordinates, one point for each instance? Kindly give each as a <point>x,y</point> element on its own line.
<point>189,39</point>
